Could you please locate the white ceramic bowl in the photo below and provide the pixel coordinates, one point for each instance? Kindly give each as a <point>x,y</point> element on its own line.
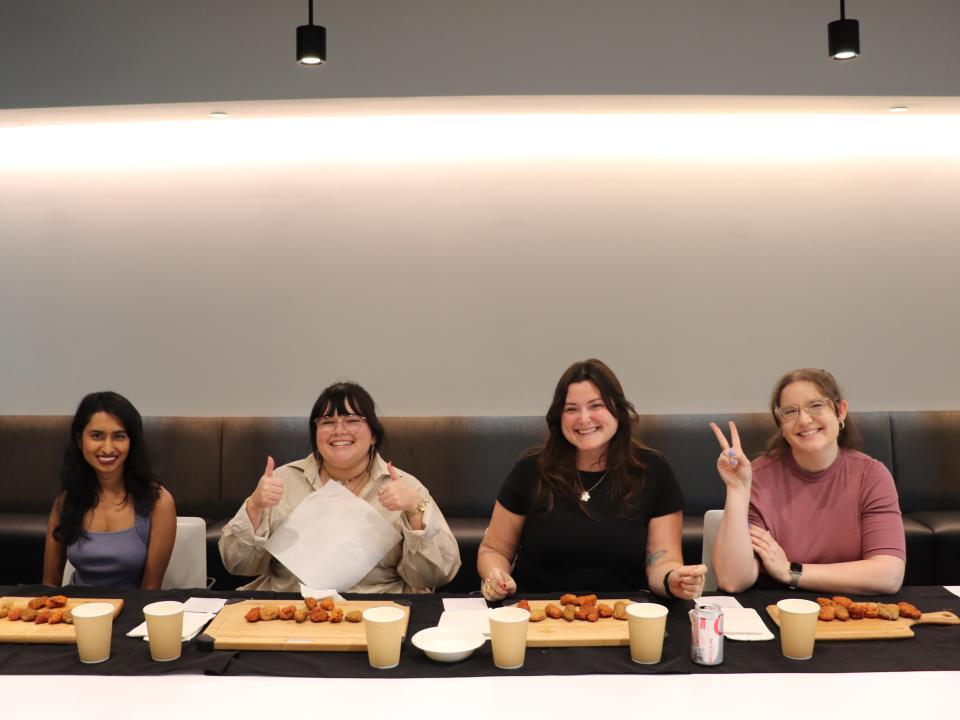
<point>450,644</point>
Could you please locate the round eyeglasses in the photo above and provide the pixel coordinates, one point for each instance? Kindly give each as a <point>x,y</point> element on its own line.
<point>790,413</point>
<point>328,423</point>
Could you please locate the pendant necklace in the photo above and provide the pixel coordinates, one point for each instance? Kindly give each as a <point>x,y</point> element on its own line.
<point>585,495</point>
<point>347,483</point>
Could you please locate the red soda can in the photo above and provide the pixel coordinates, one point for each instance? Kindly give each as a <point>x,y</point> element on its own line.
<point>706,634</point>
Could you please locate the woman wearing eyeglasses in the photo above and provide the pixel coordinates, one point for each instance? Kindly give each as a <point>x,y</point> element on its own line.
<point>813,512</point>
<point>346,434</point>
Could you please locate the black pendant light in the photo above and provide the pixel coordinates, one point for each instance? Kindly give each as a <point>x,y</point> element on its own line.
<point>311,42</point>
<point>843,36</point>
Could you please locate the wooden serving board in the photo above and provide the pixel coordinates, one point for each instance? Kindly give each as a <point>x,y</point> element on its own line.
<point>231,631</point>
<point>60,634</point>
<point>873,628</point>
<point>579,633</point>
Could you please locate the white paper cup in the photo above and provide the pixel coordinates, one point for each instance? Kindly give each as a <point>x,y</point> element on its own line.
<point>93,623</point>
<point>164,629</point>
<point>646,624</point>
<point>384,629</point>
<point>508,636</point>
<point>798,627</point>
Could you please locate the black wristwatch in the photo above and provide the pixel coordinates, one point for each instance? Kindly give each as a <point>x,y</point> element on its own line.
<point>796,570</point>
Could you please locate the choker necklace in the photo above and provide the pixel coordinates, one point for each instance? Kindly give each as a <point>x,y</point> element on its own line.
<point>350,480</point>
<point>585,495</point>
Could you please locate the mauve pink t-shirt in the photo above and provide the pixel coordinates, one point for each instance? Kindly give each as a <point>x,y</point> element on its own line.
<point>850,511</point>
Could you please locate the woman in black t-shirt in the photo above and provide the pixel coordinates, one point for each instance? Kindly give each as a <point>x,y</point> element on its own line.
<point>592,510</point>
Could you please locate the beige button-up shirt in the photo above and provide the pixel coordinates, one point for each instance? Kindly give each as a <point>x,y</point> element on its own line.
<point>422,560</point>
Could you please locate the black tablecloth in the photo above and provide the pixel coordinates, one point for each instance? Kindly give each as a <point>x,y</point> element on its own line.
<point>933,648</point>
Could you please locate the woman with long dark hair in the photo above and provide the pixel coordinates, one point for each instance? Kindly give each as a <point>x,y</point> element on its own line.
<point>592,509</point>
<point>112,519</point>
<point>813,512</point>
<point>346,436</point>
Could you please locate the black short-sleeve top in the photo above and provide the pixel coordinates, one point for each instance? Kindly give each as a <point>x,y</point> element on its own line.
<point>568,551</point>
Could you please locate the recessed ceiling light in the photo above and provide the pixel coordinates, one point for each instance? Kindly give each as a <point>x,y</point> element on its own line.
<point>219,114</point>
<point>898,108</point>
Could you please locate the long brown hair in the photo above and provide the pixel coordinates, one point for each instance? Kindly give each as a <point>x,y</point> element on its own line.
<point>556,460</point>
<point>827,384</point>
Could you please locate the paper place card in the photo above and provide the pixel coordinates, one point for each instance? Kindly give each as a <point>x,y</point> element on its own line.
<point>459,604</point>
<point>320,593</point>
<point>471,619</point>
<point>744,624</point>
<point>204,605</point>
<point>955,589</point>
<point>193,623</point>
<point>724,601</point>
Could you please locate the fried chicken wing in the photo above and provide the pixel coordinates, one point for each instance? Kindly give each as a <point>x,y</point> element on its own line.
<point>537,615</point>
<point>269,612</point>
<point>336,615</point>
<point>253,615</point>
<point>569,612</point>
<point>287,612</point>
<point>620,610</point>
<point>310,602</point>
<point>909,611</point>
<point>354,616</point>
<point>568,599</point>
<point>842,600</point>
<point>28,615</point>
<point>888,611</point>
<point>553,611</point>
<point>605,610</point>
<point>327,604</point>
<point>586,600</point>
<point>56,616</point>
<point>37,603</point>
<point>318,614</point>
<point>524,605</point>
<point>827,613</point>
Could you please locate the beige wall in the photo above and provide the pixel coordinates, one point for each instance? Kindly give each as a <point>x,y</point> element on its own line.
<point>460,286</point>
<point>459,281</point>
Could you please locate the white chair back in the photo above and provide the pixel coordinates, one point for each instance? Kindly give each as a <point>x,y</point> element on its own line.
<point>188,563</point>
<point>711,524</point>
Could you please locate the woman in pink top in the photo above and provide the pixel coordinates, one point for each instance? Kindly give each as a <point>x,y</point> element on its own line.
<point>814,512</point>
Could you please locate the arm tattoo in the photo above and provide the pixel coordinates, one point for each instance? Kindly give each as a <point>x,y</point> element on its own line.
<point>652,558</point>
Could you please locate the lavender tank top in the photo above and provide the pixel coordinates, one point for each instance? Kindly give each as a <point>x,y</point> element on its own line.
<point>114,559</point>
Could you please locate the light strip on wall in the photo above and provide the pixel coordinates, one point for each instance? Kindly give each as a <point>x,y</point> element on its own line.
<point>474,138</point>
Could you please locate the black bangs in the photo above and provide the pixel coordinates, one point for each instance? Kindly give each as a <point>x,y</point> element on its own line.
<point>339,404</point>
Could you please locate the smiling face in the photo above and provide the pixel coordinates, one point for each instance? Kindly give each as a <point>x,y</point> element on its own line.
<point>812,439</point>
<point>344,442</point>
<point>105,444</point>
<point>587,424</point>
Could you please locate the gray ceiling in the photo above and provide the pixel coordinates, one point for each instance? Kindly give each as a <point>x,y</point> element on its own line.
<point>108,52</point>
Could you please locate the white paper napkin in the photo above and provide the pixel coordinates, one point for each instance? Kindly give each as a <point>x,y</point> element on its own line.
<point>193,623</point>
<point>332,539</point>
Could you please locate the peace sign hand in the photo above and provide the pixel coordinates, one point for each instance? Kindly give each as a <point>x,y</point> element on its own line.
<point>733,465</point>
